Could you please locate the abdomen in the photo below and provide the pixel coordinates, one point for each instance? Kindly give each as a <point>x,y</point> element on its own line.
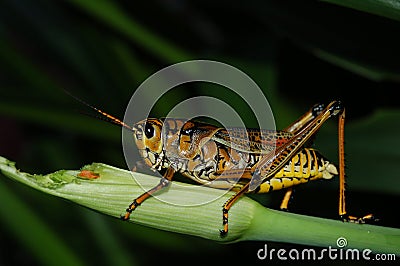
<point>305,166</point>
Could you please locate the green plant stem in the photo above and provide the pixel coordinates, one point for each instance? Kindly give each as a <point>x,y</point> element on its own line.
<point>315,231</point>
<point>115,188</point>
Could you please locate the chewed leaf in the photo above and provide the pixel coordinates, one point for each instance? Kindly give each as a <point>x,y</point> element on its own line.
<point>87,174</point>
<point>110,190</point>
<point>113,189</point>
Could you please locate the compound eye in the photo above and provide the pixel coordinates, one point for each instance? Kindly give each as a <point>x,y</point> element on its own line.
<point>149,130</point>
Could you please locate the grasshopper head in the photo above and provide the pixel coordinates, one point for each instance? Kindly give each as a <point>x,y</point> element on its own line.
<point>148,139</point>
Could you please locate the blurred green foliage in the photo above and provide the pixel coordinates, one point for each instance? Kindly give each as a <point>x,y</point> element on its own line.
<point>299,52</point>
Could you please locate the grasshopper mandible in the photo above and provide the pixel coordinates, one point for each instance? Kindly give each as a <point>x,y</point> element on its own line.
<point>239,159</point>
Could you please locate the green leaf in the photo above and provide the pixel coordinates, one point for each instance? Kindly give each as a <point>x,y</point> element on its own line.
<point>362,69</point>
<point>114,189</point>
<point>110,13</point>
<point>385,8</point>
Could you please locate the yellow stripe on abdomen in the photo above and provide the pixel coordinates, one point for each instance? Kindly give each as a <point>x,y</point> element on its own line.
<point>306,165</point>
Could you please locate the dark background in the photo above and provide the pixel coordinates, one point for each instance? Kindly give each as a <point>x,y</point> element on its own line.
<point>298,52</point>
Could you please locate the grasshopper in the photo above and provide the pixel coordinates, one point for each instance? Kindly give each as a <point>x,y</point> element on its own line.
<point>239,159</point>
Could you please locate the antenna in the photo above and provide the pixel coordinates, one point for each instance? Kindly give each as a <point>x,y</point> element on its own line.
<point>105,116</point>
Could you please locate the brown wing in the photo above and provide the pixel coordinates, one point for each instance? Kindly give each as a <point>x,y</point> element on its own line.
<point>251,140</point>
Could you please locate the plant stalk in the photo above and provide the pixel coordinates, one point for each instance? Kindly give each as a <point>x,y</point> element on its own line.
<point>110,190</point>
